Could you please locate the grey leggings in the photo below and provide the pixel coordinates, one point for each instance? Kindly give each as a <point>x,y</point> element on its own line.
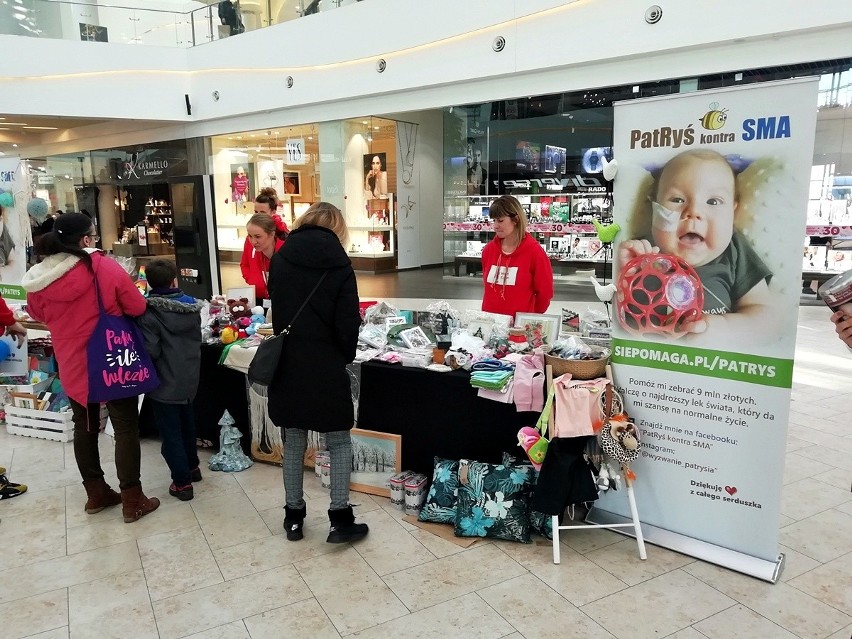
<point>339,444</point>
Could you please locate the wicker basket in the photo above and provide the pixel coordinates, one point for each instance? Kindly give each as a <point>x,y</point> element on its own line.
<point>579,368</point>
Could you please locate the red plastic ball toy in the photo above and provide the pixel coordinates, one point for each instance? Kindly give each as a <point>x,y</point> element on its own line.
<point>658,294</point>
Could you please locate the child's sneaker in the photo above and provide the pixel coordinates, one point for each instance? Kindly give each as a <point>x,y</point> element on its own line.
<point>9,489</point>
<point>195,474</point>
<point>184,493</point>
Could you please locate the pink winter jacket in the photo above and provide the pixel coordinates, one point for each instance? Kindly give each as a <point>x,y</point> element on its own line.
<point>61,293</point>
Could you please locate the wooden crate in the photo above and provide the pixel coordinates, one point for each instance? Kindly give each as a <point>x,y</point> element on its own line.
<point>42,424</point>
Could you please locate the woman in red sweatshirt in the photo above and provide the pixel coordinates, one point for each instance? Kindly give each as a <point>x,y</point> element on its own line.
<point>266,233</point>
<point>515,269</point>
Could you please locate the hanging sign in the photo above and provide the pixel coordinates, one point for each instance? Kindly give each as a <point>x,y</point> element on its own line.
<point>711,195</point>
<point>296,151</point>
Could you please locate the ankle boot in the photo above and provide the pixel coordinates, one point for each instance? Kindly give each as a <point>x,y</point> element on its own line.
<point>136,504</point>
<point>100,495</point>
<point>343,527</point>
<point>294,519</point>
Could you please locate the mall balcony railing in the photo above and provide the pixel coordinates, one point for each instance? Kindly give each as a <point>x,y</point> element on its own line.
<point>70,20</point>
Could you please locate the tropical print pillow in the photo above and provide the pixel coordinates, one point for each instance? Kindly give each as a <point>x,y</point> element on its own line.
<point>493,502</point>
<point>539,521</point>
<point>440,504</point>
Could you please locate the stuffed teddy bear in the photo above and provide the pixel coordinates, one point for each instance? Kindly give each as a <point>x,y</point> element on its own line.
<point>239,308</point>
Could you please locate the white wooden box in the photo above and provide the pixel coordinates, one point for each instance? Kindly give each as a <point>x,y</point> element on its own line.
<point>42,424</point>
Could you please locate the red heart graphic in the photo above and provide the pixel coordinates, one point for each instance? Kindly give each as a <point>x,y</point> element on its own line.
<point>731,490</point>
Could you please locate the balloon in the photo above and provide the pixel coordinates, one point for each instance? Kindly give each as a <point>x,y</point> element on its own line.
<point>6,199</point>
<point>5,351</point>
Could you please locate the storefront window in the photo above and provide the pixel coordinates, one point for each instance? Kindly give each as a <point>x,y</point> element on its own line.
<point>350,163</point>
<point>549,151</point>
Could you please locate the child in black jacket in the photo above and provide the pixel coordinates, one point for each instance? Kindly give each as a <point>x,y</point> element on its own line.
<point>172,330</point>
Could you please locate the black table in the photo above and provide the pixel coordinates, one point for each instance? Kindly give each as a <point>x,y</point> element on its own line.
<point>437,414</point>
<point>220,388</point>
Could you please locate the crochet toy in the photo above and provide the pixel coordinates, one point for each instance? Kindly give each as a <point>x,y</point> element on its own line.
<point>534,445</point>
<point>239,308</point>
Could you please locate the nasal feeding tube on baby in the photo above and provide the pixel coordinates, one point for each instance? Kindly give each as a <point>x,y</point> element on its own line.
<point>663,219</point>
<point>680,290</point>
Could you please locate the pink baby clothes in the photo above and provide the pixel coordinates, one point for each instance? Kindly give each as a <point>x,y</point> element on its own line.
<point>529,383</point>
<point>577,405</point>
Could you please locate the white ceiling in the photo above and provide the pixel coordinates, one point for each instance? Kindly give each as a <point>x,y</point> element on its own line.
<point>12,132</point>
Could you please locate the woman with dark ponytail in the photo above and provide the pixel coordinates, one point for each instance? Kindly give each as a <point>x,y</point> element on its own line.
<point>61,293</point>
<point>266,234</point>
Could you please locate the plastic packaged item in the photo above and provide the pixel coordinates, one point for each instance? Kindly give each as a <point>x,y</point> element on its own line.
<point>397,489</point>
<point>415,494</point>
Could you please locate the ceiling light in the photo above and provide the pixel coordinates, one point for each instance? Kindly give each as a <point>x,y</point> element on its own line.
<point>375,128</point>
<point>15,146</point>
<point>15,124</point>
<point>42,128</point>
<point>67,177</point>
<point>365,122</point>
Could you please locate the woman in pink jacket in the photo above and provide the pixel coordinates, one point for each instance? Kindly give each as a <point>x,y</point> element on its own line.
<point>61,293</point>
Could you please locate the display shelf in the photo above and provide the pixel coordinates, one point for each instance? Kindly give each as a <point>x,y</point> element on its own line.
<point>377,254</point>
<point>372,237</point>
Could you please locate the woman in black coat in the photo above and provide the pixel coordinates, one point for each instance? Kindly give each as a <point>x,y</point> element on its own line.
<point>311,390</point>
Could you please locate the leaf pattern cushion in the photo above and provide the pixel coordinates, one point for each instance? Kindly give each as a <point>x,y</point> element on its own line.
<point>440,504</point>
<point>539,521</point>
<point>493,502</point>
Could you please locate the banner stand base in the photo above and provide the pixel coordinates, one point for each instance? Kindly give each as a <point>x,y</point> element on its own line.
<point>760,568</point>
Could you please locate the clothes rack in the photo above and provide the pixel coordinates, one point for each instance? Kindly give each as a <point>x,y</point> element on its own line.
<point>634,513</point>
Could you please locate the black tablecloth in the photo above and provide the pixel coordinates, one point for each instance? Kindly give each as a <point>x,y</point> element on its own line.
<point>220,389</point>
<point>437,414</point>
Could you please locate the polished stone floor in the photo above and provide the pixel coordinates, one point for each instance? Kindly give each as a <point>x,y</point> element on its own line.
<point>220,567</point>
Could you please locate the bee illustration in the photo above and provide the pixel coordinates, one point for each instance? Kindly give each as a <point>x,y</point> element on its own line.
<point>715,118</point>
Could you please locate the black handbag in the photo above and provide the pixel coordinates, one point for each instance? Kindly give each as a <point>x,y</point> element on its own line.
<point>264,365</point>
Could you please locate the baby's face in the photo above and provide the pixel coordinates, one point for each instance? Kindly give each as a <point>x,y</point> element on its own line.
<point>702,192</point>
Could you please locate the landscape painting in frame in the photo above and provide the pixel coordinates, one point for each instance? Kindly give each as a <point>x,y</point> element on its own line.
<point>376,457</point>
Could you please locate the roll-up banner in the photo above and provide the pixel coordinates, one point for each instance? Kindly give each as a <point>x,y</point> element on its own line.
<point>711,195</point>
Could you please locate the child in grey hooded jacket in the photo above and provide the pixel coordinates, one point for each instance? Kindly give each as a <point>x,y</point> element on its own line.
<point>171,326</point>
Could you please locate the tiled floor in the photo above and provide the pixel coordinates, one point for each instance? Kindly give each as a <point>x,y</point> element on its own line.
<point>220,567</point>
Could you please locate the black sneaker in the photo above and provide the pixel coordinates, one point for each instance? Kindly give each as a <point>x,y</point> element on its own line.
<point>195,474</point>
<point>184,493</point>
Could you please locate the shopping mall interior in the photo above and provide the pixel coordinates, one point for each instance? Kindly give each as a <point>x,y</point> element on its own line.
<point>163,121</point>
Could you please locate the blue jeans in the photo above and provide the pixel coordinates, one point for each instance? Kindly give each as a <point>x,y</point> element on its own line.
<point>176,423</point>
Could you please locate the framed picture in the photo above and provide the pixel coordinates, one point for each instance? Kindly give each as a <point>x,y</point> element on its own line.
<point>292,183</point>
<point>242,183</point>
<point>415,337</point>
<point>375,176</point>
<point>24,400</point>
<point>376,457</point>
<point>541,330</point>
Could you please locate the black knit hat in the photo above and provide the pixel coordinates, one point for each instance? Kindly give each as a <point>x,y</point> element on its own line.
<point>69,226</point>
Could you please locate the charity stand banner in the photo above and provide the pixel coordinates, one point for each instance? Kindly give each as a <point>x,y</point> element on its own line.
<point>711,195</point>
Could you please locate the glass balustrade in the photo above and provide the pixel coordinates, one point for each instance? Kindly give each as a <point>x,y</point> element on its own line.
<point>199,23</point>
